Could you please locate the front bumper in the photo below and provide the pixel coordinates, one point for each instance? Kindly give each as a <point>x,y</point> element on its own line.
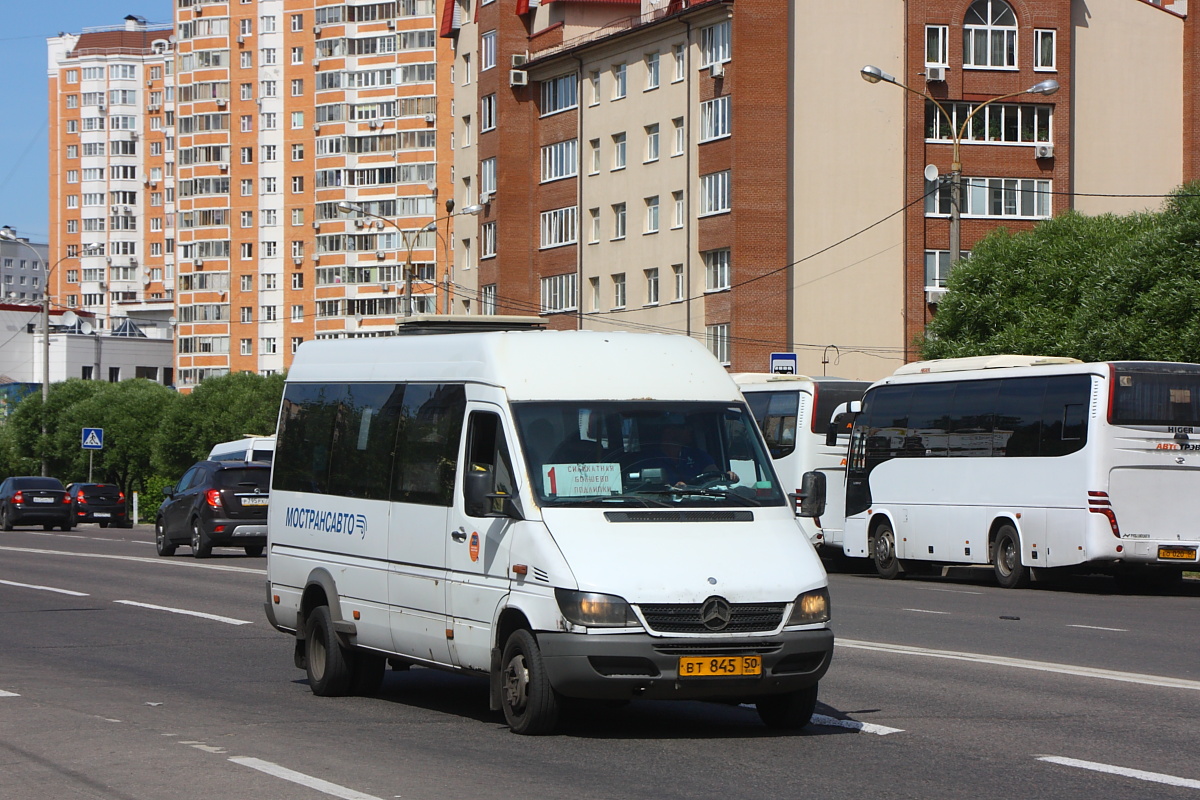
<point>625,666</point>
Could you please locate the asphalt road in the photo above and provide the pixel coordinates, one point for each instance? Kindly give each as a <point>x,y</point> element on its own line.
<point>125,675</point>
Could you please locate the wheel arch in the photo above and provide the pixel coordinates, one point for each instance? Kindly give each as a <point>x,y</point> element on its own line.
<point>877,519</point>
<point>319,590</point>
<point>998,522</point>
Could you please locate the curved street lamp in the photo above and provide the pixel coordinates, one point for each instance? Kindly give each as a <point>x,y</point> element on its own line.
<point>873,74</point>
<point>345,205</point>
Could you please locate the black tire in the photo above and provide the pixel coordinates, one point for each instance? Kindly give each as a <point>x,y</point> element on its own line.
<point>529,701</point>
<point>201,548</point>
<point>46,527</point>
<point>368,672</point>
<point>327,662</point>
<point>399,664</point>
<point>788,712</point>
<point>162,544</point>
<point>883,551</point>
<point>1006,559</point>
<point>102,524</point>
<point>253,550</point>
<point>8,526</point>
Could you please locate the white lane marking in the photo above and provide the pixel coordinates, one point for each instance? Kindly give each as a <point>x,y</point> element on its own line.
<point>8,694</point>
<point>854,725</point>
<point>925,611</point>
<point>1021,663</point>
<point>89,538</point>
<point>177,562</point>
<point>1126,772</point>
<point>44,588</point>
<point>304,780</point>
<point>1099,628</point>
<point>226,620</point>
<point>952,591</point>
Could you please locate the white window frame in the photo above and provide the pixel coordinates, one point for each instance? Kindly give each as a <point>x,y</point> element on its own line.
<point>715,43</point>
<point>487,51</point>
<point>981,196</point>
<point>620,73</point>
<point>559,227</point>
<point>937,45</point>
<point>715,118</point>
<point>560,160</point>
<point>559,94</point>
<point>718,268</point>
<point>1039,36</point>
<point>716,339</point>
<point>558,293</point>
<point>715,194</point>
<point>652,214</point>
<point>988,29</point>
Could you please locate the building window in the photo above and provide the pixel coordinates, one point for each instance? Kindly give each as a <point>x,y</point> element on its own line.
<point>716,270</point>
<point>677,274</point>
<point>269,314</point>
<point>716,337</point>
<point>619,221</point>
<point>618,290</point>
<point>297,55</point>
<point>487,51</point>
<point>297,120</point>
<point>246,314</point>
<point>296,342</point>
<point>297,87</point>
<point>620,81</point>
<point>678,213</point>
<point>594,81</point>
<point>487,113</point>
<point>297,280</point>
<point>487,178</point>
<point>246,347</point>
<point>679,56</point>
<point>487,299</point>
<point>247,251</point>
<point>714,119</point>
<point>937,267</point>
<point>652,143</point>
<point>487,240</point>
<point>1044,50</point>
<point>993,197</point>
<point>652,71</point>
<point>714,193</point>
<point>594,144</point>
<point>268,345</point>
<point>559,160</point>
<point>714,43</point>
<point>594,213</point>
<point>1016,123</point>
<point>937,45</point>
<point>594,285</point>
<point>618,141</point>
<point>990,35</point>
<point>652,214</point>
<point>680,137</point>
<point>652,286</point>
<point>558,293</point>
<point>559,226</point>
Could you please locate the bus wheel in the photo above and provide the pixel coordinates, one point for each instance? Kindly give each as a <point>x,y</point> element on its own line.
<point>1006,559</point>
<point>788,712</point>
<point>328,664</point>
<point>883,550</point>
<point>529,701</point>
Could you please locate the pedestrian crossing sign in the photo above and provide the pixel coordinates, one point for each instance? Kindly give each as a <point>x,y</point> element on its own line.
<point>93,438</point>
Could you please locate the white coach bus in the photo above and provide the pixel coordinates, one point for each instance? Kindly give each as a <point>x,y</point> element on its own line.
<point>1028,463</point>
<point>568,513</point>
<point>794,413</point>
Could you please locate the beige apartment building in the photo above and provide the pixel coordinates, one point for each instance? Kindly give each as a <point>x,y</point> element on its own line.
<point>718,168</point>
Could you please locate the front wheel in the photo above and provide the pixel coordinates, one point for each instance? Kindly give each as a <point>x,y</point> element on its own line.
<point>788,712</point>
<point>162,544</point>
<point>1006,559</point>
<point>529,701</point>
<point>253,550</point>
<point>201,548</point>
<point>883,551</point>
<point>327,662</point>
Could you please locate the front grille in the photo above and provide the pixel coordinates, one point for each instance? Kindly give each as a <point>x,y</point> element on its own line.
<point>685,618</point>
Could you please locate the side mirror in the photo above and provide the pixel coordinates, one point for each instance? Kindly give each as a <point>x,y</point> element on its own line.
<point>168,491</point>
<point>812,494</point>
<point>842,421</point>
<point>480,497</point>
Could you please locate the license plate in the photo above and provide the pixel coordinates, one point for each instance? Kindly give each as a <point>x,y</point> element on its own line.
<point>1177,553</point>
<point>719,666</point>
<point>101,515</point>
<point>254,501</point>
<point>43,499</point>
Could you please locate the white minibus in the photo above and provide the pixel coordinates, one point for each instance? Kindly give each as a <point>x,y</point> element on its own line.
<point>794,413</point>
<point>1026,463</point>
<point>570,514</point>
<point>250,448</point>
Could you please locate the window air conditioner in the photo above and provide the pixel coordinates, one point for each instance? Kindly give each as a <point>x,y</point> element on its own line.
<point>391,23</point>
<point>485,198</point>
<point>935,74</point>
<point>316,30</point>
<point>316,226</point>
<point>220,102</point>
<point>430,118</point>
<point>373,124</point>
<point>933,296</point>
<point>518,77</point>
<point>297,261</point>
<point>1043,151</point>
<point>379,254</point>
<point>241,39</point>
<point>199,262</point>
<point>520,59</point>
<point>717,70</point>
<point>358,223</point>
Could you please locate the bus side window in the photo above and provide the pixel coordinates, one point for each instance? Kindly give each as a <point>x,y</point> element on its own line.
<point>487,451</point>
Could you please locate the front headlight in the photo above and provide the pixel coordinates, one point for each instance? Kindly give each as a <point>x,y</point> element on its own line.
<point>595,610</point>
<point>810,607</point>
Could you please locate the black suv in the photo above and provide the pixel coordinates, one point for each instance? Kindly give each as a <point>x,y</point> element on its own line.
<point>34,501</point>
<point>102,503</point>
<point>215,504</point>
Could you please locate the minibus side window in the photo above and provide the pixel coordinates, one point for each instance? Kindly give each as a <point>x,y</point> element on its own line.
<point>430,429</point>
<point>305,434</point>
<point>364,436</point>
<point>487,450</point>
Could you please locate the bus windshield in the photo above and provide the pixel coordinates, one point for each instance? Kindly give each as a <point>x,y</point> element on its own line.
<point>645,454</point>
<point>1155,394</point>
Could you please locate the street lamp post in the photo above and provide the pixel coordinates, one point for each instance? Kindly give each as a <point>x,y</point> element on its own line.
<point>409,243</point>
<point>873,74</point>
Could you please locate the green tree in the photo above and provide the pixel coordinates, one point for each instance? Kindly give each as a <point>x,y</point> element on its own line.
<point>60,445</point>
<point>218,410</point>
<point>1094,288</point>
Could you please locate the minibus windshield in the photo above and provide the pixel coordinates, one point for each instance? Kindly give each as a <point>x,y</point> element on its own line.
<point>645,454</point>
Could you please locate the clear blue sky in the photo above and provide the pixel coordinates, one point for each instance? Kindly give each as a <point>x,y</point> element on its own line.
<point>23,147</point>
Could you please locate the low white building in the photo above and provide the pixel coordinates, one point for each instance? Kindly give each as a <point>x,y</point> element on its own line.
<point>79,349</point>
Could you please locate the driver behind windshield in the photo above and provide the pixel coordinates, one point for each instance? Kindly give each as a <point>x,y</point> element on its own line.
<point>680,462</point>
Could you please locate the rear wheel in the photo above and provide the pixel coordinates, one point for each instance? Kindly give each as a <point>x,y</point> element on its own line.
<point>529,701</point>
<point>253,550</point>
<point>201,548</point>
<point>162,544</point>
<point>883,551</point>
<point>8,526</point>
<point>1006,559</point>
<point>46,527</point>
<point>788,712</point>
<point>327,662</point>
<point>103,524</point>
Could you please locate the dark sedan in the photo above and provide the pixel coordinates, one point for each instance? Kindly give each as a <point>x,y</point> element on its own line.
<point>102,503</point>
<point>215,504</point>
<point>34,501</point>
